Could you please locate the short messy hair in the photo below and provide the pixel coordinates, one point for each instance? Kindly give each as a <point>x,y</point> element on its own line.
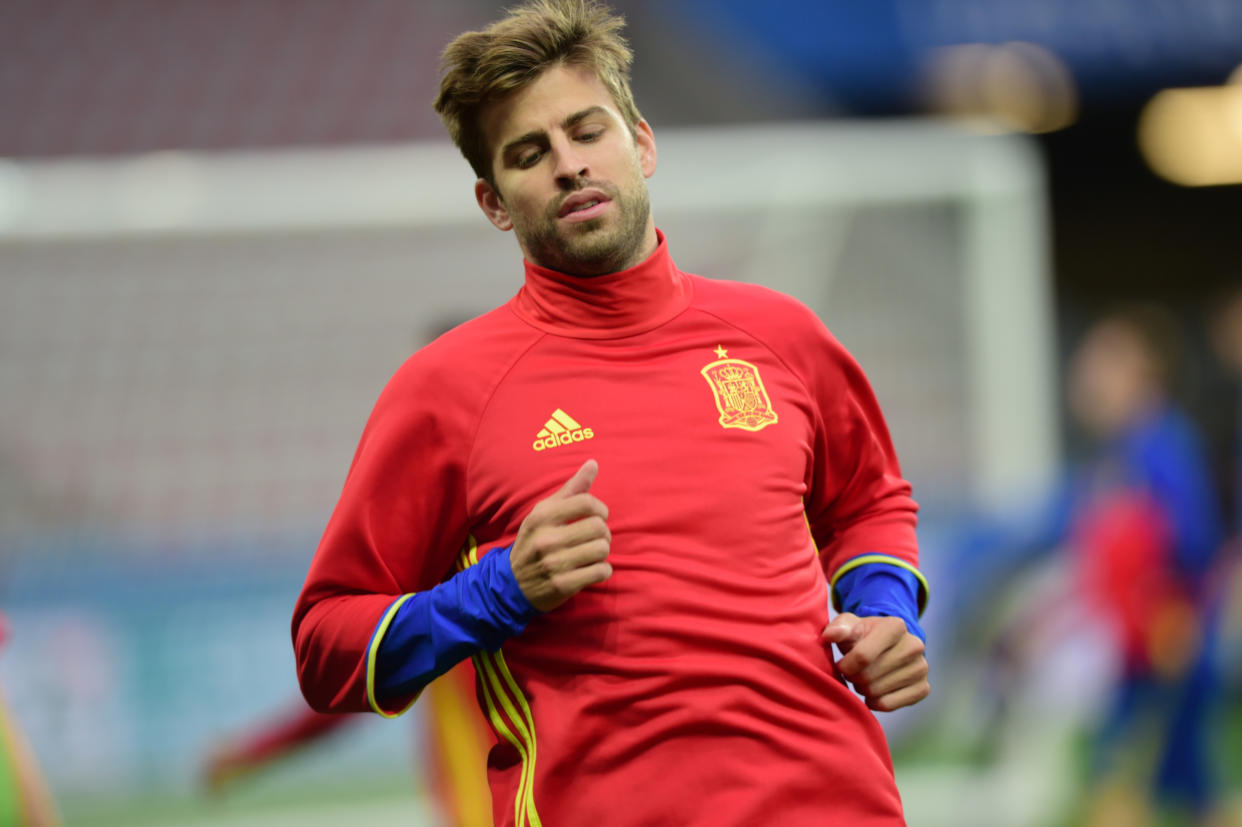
<point>485,66</point>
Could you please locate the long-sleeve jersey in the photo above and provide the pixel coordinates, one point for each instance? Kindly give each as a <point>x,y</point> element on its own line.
<point>744,461</point>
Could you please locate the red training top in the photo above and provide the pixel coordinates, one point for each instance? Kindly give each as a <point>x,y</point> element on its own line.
<point>692,687</point>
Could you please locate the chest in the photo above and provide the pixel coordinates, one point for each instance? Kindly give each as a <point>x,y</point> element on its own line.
<point>689,423</point>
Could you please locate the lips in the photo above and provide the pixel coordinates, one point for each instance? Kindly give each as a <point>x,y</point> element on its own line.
<point>582,201</point>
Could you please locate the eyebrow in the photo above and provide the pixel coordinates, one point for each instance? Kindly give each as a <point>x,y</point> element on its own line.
<point>538,134</point>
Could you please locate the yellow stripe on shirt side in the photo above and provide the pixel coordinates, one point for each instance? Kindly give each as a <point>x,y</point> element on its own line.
<point>498,683</point>
<point>533,744</point>
<point>486,679</point>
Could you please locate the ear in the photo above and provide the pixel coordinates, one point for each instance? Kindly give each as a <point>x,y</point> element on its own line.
<point>492,206</point>
<point>644,138</point>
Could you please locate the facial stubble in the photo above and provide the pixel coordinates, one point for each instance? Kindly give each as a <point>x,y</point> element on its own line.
<point>589,248</point>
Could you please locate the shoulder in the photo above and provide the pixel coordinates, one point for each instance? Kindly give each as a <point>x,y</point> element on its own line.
<point>786,326</point>
<point>750,304</point>
<point>1166,442</point>
<point>459,369</point>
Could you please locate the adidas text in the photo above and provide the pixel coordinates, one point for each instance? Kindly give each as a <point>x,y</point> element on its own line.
<point>556,440</point>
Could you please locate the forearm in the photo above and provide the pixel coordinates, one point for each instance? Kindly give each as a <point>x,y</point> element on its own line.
<point>878,585</point>
<point>430,632</point>
<point>871,562</point>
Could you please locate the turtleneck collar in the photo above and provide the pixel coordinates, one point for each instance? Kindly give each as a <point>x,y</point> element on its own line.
<point>611,306</point>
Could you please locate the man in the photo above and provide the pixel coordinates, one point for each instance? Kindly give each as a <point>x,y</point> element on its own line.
<point>1143,519</point>
<point>622,465</point>
<point>1140,521</point>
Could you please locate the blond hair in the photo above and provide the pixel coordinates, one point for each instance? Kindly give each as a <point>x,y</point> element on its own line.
<point>481,67</point>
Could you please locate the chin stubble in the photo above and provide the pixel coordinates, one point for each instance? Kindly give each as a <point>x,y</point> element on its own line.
<point>590,249</point>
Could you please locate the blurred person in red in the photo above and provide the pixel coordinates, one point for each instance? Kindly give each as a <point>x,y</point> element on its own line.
<point>1148,530</point>
<point>25,800</point>
<point>628,494</point>
<point>454,752</point>
<point>1147,533</point>
<point>1141,520</point>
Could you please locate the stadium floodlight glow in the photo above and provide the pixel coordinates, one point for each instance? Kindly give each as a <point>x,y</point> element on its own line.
<point>1193,136</point>
<point>1007,87</point>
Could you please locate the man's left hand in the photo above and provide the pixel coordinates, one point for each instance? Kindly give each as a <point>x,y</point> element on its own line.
<point>880,657</point>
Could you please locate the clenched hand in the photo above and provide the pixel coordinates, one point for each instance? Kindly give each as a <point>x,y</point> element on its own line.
<point>880,657</point>
<point>562,545</point>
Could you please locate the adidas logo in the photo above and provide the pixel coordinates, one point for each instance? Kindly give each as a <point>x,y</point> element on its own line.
<point>561,429</point>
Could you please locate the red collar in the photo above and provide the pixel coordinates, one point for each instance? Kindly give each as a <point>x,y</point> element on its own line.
<point>611,306</point>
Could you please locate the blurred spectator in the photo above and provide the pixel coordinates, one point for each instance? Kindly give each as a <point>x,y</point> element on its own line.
<point>1140,519</point>
<point>1146,530</point>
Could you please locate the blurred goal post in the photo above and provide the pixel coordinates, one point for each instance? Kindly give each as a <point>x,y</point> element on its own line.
<point>924,248</point>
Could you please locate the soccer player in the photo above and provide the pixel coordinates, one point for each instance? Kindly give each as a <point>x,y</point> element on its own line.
<point>627,494</point>
<point>1141,522</point>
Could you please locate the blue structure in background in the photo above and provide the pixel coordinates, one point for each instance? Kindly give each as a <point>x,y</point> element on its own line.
<point>867,56</point>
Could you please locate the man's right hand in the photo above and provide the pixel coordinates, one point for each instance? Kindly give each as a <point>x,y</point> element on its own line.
<point>562,545</point>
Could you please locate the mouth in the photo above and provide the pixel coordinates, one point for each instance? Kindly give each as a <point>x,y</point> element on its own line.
<point>583,206</point>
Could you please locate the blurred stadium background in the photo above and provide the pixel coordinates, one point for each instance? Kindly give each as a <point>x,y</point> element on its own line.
<point>224,224</point>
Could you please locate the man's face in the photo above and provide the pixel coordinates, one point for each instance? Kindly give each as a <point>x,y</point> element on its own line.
<point>1110,379</point>
<point>569,175</point>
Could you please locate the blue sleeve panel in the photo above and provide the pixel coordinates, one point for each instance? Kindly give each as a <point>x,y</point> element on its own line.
<point>478,608</point>
<point>1166,454</point>
<point>880,589</point>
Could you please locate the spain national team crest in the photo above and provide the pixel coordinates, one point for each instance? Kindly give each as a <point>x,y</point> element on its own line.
<point>740,396</point>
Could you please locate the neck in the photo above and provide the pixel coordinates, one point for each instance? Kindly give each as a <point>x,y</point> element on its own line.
<point>650,242</point>
<point>610,305</point>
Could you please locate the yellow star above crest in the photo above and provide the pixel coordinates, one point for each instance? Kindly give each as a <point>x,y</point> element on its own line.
<point>721,352</point>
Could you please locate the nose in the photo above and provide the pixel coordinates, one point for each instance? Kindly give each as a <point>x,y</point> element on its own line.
<point>570,165</point>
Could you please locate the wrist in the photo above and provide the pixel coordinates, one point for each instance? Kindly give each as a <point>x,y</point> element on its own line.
<point>876,588</point>
<point>879,609</point>
<point>426,634</point>
<point>508,591</point>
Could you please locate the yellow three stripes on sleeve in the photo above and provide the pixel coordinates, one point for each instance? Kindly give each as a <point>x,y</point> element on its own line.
<point>500,691</point>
